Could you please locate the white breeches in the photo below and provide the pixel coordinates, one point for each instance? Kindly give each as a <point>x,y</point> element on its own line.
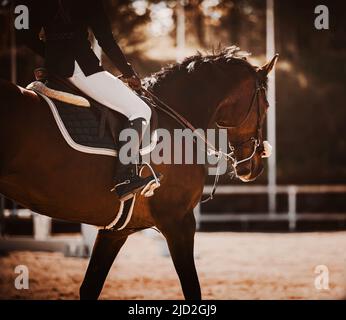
<point>111,92</point>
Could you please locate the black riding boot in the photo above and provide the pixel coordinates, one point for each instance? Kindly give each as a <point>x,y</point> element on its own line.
<point>128,182</point>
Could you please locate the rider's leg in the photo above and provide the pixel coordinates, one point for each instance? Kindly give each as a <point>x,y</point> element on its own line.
<point>113,93</point>
<point>128,181</point>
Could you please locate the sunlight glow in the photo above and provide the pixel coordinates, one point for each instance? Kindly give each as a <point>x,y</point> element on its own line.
<point>140,7</point>
<point>161,19</point>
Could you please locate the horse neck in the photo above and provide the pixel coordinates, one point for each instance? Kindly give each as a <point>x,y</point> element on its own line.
<point>195,102</point>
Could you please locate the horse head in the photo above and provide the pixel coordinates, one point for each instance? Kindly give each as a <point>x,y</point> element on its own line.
<point>232,94</point>
<point>242,113</point>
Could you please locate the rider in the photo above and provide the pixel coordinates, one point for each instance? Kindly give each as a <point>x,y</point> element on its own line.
<point>67,52</point>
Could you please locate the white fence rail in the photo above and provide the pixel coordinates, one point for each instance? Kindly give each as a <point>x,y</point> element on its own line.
<point>291,215</point>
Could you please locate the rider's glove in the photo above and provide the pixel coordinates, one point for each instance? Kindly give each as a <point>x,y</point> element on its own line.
<point>134,82</point>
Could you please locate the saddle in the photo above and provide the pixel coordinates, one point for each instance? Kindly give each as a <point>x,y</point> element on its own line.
<point>86,125</point>
<point>90,127</point>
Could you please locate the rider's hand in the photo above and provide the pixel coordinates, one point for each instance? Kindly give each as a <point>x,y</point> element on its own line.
<point>134,82</point>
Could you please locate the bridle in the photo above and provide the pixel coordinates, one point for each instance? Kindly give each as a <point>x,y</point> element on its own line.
<point>230,156</point>
<point>256,140</point>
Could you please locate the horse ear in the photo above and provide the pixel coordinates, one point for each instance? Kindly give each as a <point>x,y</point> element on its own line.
<point>270,65</point>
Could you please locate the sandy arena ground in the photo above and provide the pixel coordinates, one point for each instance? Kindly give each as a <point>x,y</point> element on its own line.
<point>230,266</point>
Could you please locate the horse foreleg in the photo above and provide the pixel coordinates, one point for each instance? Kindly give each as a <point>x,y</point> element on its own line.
<point>106,248</point>
<point>180,240</point>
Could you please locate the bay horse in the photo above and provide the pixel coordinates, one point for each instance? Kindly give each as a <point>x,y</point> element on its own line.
<point>41,172</point>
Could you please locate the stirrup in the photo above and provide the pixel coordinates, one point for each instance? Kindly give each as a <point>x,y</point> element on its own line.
<point>148,190</point>
<point>129,187</point>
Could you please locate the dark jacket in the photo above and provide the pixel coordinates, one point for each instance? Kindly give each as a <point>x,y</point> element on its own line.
<point>65,24</point>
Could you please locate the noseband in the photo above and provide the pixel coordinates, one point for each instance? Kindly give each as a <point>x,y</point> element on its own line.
<point>255,140</point>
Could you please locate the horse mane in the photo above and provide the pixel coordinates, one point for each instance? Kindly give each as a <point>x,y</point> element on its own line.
<point>219,57</point>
